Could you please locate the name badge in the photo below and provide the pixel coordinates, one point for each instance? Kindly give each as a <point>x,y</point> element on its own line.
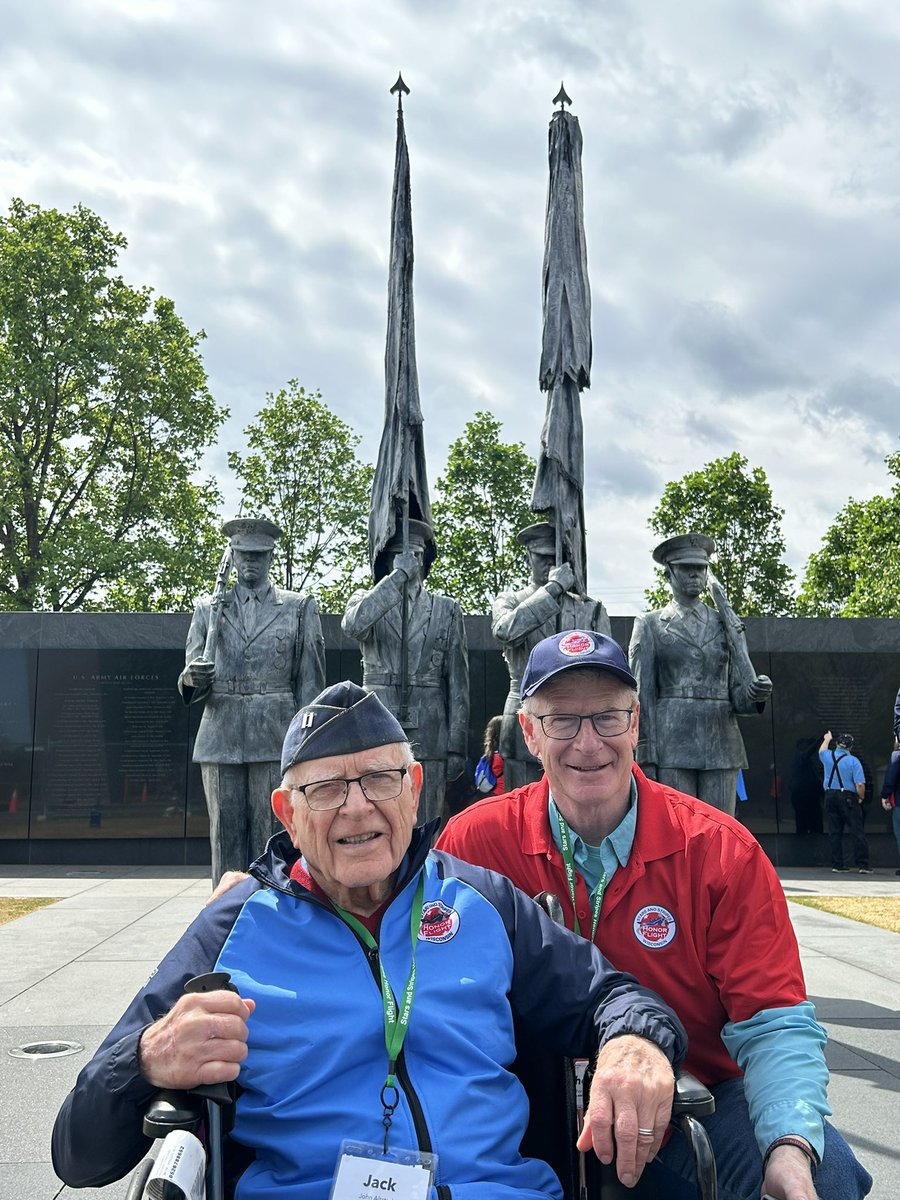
<point>365,1172</point>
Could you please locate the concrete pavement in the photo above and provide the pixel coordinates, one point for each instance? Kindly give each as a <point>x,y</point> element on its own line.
<point>68,971</point>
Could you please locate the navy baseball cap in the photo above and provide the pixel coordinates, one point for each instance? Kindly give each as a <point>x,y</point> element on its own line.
<point>575,648</point>
<point>341,720</point>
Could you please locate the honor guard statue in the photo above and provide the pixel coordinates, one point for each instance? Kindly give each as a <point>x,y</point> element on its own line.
<point>694,677</point>
<point>255,654</point>
<point>421,673</point>
<point>520,619</point>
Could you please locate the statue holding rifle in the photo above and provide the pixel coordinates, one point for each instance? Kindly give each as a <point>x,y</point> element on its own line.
<point>421,674</point>
<point>694,678</point>
<point>255,653</point>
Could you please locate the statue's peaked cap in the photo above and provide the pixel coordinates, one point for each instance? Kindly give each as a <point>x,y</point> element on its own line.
<point>251,533</point>
<point>685,548</point>
<point>541,534</point>
<point>341,720</point>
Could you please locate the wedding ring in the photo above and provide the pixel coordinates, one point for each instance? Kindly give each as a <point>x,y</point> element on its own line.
<point>647,1133</point>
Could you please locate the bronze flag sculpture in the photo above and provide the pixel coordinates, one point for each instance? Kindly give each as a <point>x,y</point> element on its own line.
<point>413,641</point>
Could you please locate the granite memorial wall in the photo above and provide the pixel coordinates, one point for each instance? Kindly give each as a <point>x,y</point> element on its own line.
<point>95,742</point>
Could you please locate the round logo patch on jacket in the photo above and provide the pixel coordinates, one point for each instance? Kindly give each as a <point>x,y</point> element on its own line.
<point>654,926</point>
<point>439,922</point>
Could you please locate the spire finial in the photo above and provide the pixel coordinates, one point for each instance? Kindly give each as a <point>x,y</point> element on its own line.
<point>562,98</point>
<point>400,88</point>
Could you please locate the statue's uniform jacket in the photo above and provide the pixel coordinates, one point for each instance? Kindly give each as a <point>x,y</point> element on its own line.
<point>261,679</point>
<point>519,620</point>
<point>438,662</point>
<point>690,691</point>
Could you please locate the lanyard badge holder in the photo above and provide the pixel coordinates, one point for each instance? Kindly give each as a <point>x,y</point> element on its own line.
<point>365,1170</point>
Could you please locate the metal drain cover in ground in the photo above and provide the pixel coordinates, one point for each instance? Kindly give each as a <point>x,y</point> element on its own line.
<point>46,1049</point>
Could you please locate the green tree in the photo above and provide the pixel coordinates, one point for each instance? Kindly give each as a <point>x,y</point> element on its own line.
<point>482,501</point>
<point>854,573</point>
<point>303,472</point>
<point>734,506</point>
<point>104,414</point>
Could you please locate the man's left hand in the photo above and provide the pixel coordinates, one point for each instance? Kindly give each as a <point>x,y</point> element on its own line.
<point>631,1090</point>
<point>788,1176</point>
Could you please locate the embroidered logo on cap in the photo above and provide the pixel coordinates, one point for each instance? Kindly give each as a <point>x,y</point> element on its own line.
<point>654,926</point>
<point>439,923</point>
<point>575,644</point>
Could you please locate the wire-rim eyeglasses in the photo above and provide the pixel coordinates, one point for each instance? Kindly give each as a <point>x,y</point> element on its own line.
<point>565,727</point>
<point>377,786</point>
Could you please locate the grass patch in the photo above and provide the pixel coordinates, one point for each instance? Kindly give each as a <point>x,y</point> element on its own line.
<point>883,911</point>
<point>11,907</point>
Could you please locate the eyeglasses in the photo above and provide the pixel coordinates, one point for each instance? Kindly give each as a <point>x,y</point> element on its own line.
<point>563,727</point>
<point>376,786</point>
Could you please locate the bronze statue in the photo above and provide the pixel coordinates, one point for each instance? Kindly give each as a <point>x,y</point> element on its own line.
<point>522,618</point>
<point>694,677</point>
<point>255,654</point>
<point>424,678</point>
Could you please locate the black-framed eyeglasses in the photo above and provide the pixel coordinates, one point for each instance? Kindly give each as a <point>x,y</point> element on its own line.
<point>563,727</point>
<point>376,786</point>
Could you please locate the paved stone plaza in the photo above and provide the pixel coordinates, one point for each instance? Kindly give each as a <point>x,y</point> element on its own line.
<point>69,970</point>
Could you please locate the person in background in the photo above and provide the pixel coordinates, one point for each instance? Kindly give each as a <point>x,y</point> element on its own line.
<point>845,792</point>
<point>889,792</point>
<point>492,754</point>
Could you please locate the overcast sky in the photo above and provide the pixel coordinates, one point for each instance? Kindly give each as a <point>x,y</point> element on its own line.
<point>742,197</point>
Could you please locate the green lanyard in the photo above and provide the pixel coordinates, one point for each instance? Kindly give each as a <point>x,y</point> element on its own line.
<point>565,846</point>
<point>396,1021</point>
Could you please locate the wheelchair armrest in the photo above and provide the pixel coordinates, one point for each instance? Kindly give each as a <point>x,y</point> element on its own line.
<point>691,1096</point>
<point>170,1109</point>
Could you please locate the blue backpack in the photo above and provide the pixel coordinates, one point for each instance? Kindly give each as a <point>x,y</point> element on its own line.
<point>485,779</point>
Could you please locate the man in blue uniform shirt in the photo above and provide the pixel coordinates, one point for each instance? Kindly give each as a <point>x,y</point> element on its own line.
<point>845,791</point>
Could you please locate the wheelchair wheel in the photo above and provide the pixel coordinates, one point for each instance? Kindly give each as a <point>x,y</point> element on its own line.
<point>139,1178</point>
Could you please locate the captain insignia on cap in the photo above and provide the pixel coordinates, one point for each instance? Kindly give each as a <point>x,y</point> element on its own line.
<point>341,720</point>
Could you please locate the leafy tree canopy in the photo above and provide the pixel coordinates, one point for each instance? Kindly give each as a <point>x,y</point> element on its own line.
<point>304,474</point>
<point>482,503</point>
<point>854,573</point>
<point>733,505</point>
<point>104,414</point>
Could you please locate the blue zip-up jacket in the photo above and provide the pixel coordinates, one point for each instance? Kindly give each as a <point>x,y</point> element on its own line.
<point>316,1062</point>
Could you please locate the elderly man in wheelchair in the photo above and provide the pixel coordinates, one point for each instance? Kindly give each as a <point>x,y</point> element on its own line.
<point>380,987</point>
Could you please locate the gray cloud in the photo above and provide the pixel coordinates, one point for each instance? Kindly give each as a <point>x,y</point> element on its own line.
<point>725,355</point>
<point>741,183</point>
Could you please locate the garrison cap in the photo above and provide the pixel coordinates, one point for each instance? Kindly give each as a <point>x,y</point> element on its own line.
<point>576,648</point>
<point>341,720</point>
<point>251,533</point>
<point>685,548</point>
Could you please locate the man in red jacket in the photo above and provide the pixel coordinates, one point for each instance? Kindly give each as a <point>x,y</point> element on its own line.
<point>682,896</point>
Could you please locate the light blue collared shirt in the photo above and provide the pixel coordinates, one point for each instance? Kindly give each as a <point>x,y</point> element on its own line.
<point>593,862</point>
